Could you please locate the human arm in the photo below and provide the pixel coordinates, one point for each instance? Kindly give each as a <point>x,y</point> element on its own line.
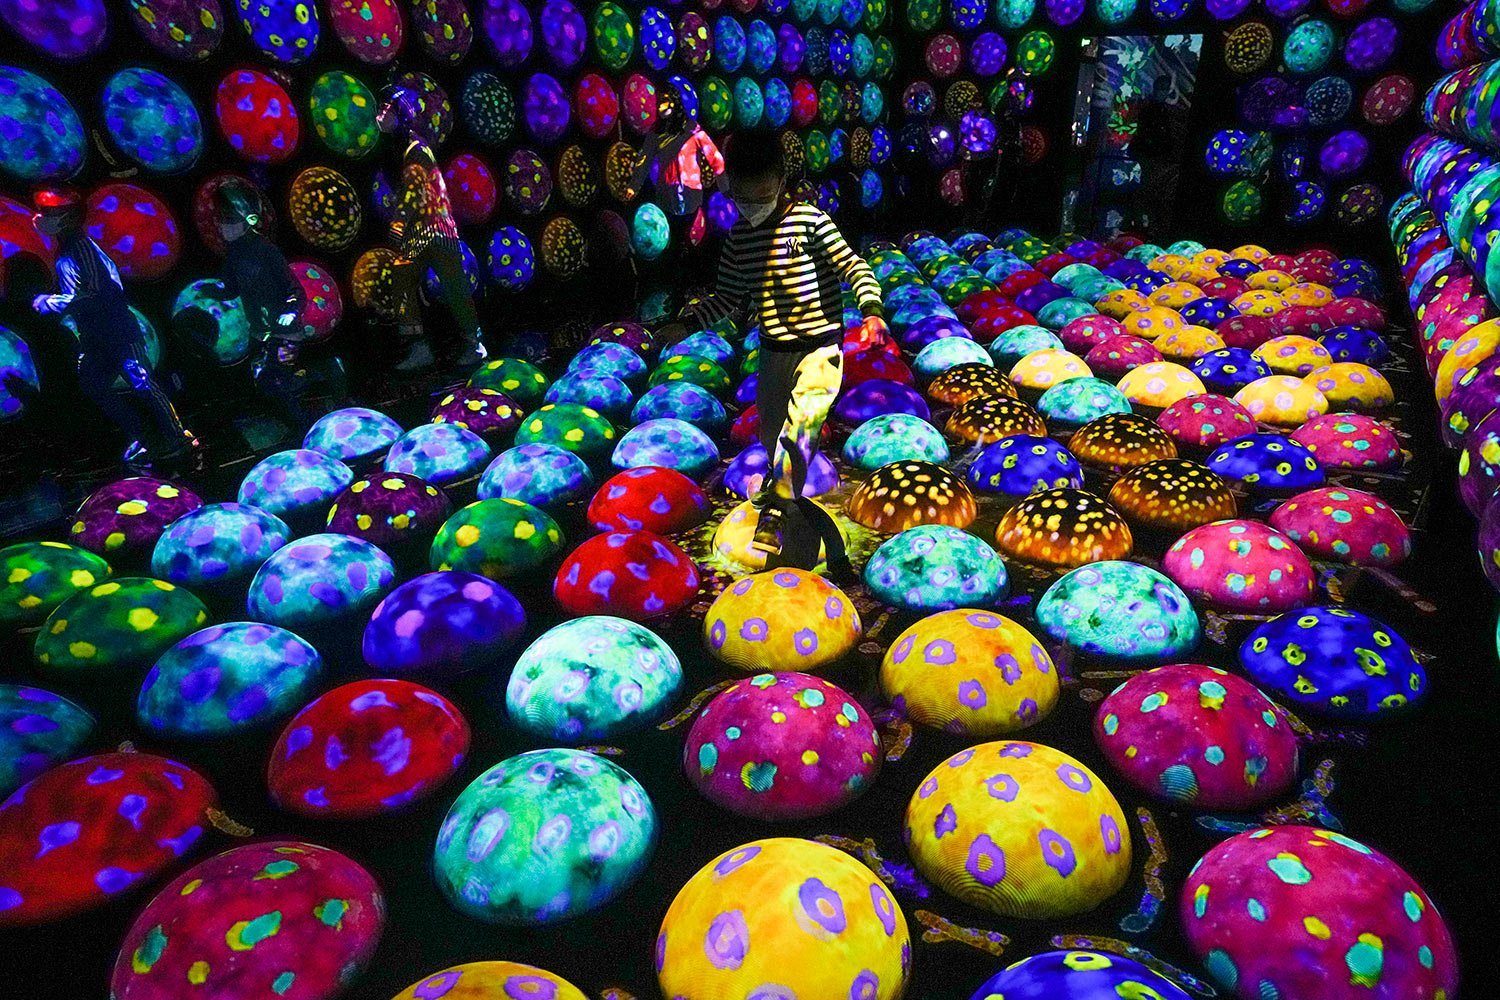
<point>67,283</point>
<point>851,267</point>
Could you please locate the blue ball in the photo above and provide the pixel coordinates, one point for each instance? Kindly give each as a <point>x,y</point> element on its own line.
<point>538,474</point>
<point>670,443</point>
<point>1078,975</point>
<point>1020,465</point>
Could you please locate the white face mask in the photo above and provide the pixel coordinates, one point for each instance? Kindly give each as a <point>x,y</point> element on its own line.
<point>756,212</point>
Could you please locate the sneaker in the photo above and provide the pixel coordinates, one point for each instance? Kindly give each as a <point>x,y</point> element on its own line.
<point>768,532</point>
<point>418,358</point>
<point>135,452</point>
<point>470,358</point>
<point>762,498</point>
<point>842,573</point>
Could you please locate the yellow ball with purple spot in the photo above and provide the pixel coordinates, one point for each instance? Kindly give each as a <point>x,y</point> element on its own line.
<point>784,917</point>
<point>490,981</point>
<point>1020,829</point>
<point>784,619</point>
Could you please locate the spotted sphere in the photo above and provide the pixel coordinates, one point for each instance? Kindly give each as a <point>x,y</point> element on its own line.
<point>784,619</point>
<point>1119,610</point>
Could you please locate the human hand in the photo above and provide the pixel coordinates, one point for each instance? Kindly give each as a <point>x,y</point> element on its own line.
<point>39,304</point>
<point>286,319</point>
<point>286,353</point>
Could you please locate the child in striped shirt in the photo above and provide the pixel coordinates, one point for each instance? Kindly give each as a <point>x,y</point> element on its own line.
<point>782,265</point>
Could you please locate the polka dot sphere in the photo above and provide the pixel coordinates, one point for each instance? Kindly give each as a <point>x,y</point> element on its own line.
<point>785,619</point>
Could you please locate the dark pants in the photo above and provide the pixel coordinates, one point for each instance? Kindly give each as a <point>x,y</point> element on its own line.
<point>447,263</point>
<point>106,358</point>
<point>293,387</point>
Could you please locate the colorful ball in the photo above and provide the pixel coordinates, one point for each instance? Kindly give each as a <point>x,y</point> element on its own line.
<point>36,577</point>
<point>1266,463</point>
<point>1121,611</point>
<point>257,117</point>
<point>351,434</point>
<point>218,548</point>
<point>1078,975</point>
<point>1350,441</point>
<point>542,475</point>
<point>38,731</point>
<point>1064,849</point>
<point>632,574</point>
<point>669,443</point>
<point>152,120</point>
<point>496,538</point>
<point>123,519</point>
<point>297,486</point>
<point>542,837</point>
<point>253,920</point>
<point>592,678</point>
<point>117,627</point>
<point>784,916</point>
<point>395,511</point>
<point>1343,525</point>
<point>936,568</point>
<point>487,980</point>
<point>1361,924</point>
<point>1241,566</point>
<point>785,619</point>
<point>906,494</point>
<point>438,453</point>
<point>442,624</point>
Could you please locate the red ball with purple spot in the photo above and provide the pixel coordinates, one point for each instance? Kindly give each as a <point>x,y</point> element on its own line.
<point>637,575</point>
<point>648,498</point>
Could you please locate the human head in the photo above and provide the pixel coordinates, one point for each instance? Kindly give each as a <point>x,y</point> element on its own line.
<point>753,164</point>
<point>237,207</point>
<point>59,211</point>
<point>670,115</point>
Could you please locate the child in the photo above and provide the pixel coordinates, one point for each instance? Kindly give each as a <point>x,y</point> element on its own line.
<point>679,159</point>
<point>782,264</point>
<point>109,338</point>
<point>256,273</point>
<point>427,236</point>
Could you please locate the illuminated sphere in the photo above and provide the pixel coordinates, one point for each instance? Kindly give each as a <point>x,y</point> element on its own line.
<point>970,672</point>
<point>1350,441</point>
<point>36,577</point>
<point>527,182</point>
<point>936,568</point>
<point>1020,465</point>
<point>324,208</point>
<point>152,120</point>
<point>1113,357</point>
<point>1266,462</point>
<point>17,372</point>
<point>1172,495</point>
<point>122,520</point>
<point>486,980</point>
<point>691,368</point>
<point>498,539</point>
<point>604,393</point>
<point>905,494</point>
<point>875,397</point>
<point>93,828</point>
<point>648,498</point>
<point>544,836</point>
<point>374,283</point>
<point>669,443</point>
<point>570,426</point>
<point>1205,421</point>
<point>1335,662</point>
<point>792,916</point>
<point>782,746</point>
<point>1064,850</point>
<point>942,356</point>
<point>747,473</point>
<point>117,627</point>
<point>1241,566</point>
<point>1292,355</point>
<point>1078,975</point>
<point>135,228</point>
<point>215,915</point>
<point>988,418</point>
<point>1342,525</point>
<point>443,29</point>
<point>227,679</point>
<point>1282,401</point>
<point>510,259</point>
<point>342,111</point>
<point>257,117</point>
<point>1159,384</point>
<point>1198,736</point>
<point>592,678</point>
<point>438,453</point>
<point>319,580</point>
<point>894,437</point>
<point>1229,369</point>
<point>38,731</point>
<point>372,30</point>
<point>218,547</point>
<point>1348,385</point>
<point>1308,46</point>
<point>784,619</point>
<point>538,474</point>
<point>1080,400</point>
<point>684,401</point>
<point>1034,53</point>
<point>1016,342</point>
<point>397,512</point>
<point>215,325</point>
<point>733,538</point>
<point>352,434</point>
<point>522,381</point>
<point>1062,528</point>
<point>62,29</point>
<point>1119,610</point>
<point>487,412</point>
<point>442,624</point>
<point>1363,926</point>
<point>1120,440</point>
<point>1046,368</point>
<point>632,574</point>
<point>296,486</point>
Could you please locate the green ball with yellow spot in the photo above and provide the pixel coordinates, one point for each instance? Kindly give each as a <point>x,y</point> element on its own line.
<point>573,427</point>
<point>342,112</point>
<point>692,368</point>
<point>522,381</point>
<point>117,626</point>
<point>35,577</point>
<point>498,538</point>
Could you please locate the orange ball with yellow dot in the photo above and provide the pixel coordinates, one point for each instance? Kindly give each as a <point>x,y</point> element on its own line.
<point>1063,528</point>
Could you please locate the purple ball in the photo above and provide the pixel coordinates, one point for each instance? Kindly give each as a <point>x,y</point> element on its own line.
<point>1226,10</point>
<point>564,33</point>
<point>1064,12</point>
<point>545,105</point>
<point>747,472</point>
<point>1475,396</point>
<point>875,397</point>
<point>441,624</point>
<point>1038,295</point>
<point>1489,543</point>
<point>507,25</point>
<point>1343,153</point>
<point>1371,45</point>
<point>924,331</point>
<point>987,53</point>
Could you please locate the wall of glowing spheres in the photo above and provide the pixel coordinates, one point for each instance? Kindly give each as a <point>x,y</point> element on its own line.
<point>532,107</point>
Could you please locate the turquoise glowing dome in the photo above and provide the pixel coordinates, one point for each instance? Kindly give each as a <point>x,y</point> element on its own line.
<point>438,453</point>
<point>1076,401</point>
<point>295,485</point>
<point>940,355</point>
<point>227,679</point>
<point>934,567</point>
<point>542,837</point>
<point>669,443</point>
<point>894,437</point>
<point>320,580</point>
<point>592,678</point>
<point>1120,610</point>
<point>352,433</point>
<point>218,547</point>
<point>538,474</point>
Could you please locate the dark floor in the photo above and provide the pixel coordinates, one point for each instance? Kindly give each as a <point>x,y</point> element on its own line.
<point>1422,791</point>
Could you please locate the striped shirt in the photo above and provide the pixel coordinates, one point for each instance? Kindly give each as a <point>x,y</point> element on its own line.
<point>786,273</point>
<point>423,210</point>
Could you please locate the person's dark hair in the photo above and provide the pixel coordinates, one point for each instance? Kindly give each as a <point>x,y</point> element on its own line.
<point>236,202</point>
<point>753,154</point>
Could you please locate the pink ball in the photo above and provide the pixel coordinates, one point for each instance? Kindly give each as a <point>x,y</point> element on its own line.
<point>1293,911</point>
<point>1343,525</point>
<point>1241,566</point>
<point>325,304</point>
<point>1197,735</point>
<point>782,746</point>
<point>471,189</point>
